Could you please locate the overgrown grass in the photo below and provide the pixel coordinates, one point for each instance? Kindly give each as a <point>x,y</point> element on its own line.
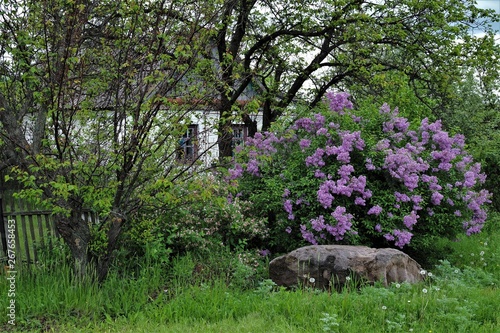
<point>228,293</point>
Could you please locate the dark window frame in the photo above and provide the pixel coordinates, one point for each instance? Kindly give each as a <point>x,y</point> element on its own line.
<point>188,144</point>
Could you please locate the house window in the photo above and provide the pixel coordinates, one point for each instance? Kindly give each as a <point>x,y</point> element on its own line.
<point>240,133</point>
<point>187,149</point>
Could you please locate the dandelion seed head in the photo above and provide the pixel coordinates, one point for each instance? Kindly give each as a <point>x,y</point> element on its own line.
<point>424,291</point>
<point>312,280</point>
<point>423,272</point>
<point>481,253</point>
<point>384,307</point>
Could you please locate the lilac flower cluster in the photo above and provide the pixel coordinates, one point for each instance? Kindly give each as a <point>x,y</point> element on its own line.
<point>421,161</point>
<point>339,101</point>
<point>413,174</point>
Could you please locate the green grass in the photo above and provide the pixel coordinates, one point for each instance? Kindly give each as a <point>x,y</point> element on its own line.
<point>462,295</point>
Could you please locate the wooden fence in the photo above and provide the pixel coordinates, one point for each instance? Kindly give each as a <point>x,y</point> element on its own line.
<point>32,228</point>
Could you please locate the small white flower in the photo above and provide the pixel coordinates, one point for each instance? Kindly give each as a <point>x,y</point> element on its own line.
<point>312,280</point>
<point>429,274</point>
<point>384,307</point>
<point>411,329</point>
<point>456,271</point>
<point>398,285</point>
<point>481,253</point>
<point>424,291</point>
<point>409,301</point>
<point>472,254</point>
<point>348,278</point>
<point>423,272</point>
<point>485,243</point>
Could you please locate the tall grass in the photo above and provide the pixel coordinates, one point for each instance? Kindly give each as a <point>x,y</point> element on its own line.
<point>224,293</point>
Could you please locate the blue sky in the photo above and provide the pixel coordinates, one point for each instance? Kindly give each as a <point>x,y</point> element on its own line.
<point>491,4</point>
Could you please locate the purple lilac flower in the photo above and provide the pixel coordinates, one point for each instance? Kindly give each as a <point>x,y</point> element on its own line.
<point>403,238</point>
<point>401,197</point>
<point>325,198</point>
<point>319,174</point>
<point>339,101</point>
<point>236,172</point>
<point>287,206</point>
<point>416,199</point>
<point>322,131</point>
<point>378,228</point>
<point>345,171</point>
<point>288,230</point>
<point>318,224</point>
<point>307,235</point>
<point>304,143</point>
<point>253,167</point>
<point>306,124</point>
<point>319,121</point>
<point>385,109</point>
<point>401,165</point>
<point>264,253</point>
<point>375,210</point>
<point>316,159</point>
<point>382,145</point>
<point>369,164</point>
<point>410,220</point>
<point>389,237</point>
<point>470,179</point>
<point>359,201</point>
<point>286,193</point>
<point>343,223</point>
<point>436,198</point>
<point>401,124</point>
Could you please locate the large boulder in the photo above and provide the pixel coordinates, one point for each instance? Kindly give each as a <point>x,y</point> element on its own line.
<point>330,266</point>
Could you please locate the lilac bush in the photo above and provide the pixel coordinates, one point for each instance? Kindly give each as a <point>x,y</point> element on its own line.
<point>341,177</point>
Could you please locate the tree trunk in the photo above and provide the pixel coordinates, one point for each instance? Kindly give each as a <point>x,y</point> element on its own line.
<point>114,233</point>
<point>268,116</point>
<point>251,125</point>
<point>76,233</point>
<point>225,130</point>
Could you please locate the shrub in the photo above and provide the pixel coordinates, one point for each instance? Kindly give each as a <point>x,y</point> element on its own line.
<point>342,176</point>
<point>197,216</point>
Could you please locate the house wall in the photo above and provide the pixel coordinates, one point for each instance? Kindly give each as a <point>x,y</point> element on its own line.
<point>207,134</point>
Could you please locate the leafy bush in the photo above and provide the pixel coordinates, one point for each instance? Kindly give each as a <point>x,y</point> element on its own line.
<point>342,176</point>
<point>197,216</point>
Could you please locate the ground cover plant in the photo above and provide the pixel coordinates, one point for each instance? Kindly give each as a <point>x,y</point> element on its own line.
<point>460,294</point>
<point>363,177</point>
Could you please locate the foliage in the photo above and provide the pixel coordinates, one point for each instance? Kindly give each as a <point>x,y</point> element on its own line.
<point>198,216</point>
<point>474,112</point>
<point>343,176</point>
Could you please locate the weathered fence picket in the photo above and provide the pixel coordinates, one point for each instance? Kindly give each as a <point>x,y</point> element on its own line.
<point>35,228</point>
